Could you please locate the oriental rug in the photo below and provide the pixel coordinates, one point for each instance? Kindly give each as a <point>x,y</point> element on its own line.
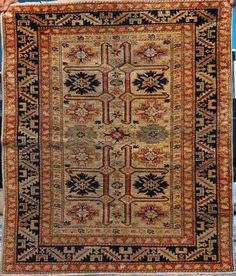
<point>117,137</point>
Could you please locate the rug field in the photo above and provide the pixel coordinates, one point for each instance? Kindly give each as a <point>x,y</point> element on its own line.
<point>117,137</point>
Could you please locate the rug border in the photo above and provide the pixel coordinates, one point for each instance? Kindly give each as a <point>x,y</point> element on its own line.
<point>226,127</point>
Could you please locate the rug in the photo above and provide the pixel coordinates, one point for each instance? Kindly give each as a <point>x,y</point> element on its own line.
<point>117,137</point>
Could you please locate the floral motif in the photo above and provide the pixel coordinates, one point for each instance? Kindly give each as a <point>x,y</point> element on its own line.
<point>83,156</point>
<point>151,185</point>
<point>117,214</point>
<point>116,51</point>
<point>80,54</point>
<point>82,213</point>
<point>151,52</point>
<point>117,114</point>
<point>82,184</point>
<point>151,157</point>
<point>117,154</point>
<point>82,83</point>
<point>117,134</point>
<point>83,112</point>
<point>117,185</point>
<point>150,82</point>
<point>150,213</point>
<point>152,134</point>
<point>79,135</point>
<point>150,111</point>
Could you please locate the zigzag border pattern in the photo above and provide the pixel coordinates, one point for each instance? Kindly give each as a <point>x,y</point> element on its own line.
<point>206,250</point>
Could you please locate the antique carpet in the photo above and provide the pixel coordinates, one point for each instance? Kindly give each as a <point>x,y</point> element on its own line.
<point>117,137</point>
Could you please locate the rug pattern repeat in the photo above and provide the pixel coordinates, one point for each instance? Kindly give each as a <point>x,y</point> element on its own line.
<point>122,127</point>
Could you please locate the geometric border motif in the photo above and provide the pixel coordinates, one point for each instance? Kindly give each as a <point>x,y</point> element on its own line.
<point>213,248</point>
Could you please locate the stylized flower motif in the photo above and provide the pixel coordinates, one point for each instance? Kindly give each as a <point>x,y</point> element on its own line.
<point>150,213</point>
<point>117,185</point>
<point>82,184</point>
<point>80,54</point>
<point>151,184</point>
<point>116,51</point>
<point>150,82</point>
<point>117,214</point>
<point>82,83</point>
<point>150,157</point>
<point>117,114</point>
<point>117,154</point>
<point>152,134</point>
<point>82,213</point>
<point>150,111</point>
<point>117,134</point>
<point>83,156</point>
<point>83,112</point>
<point>79,135</point>
<point>151,52</point>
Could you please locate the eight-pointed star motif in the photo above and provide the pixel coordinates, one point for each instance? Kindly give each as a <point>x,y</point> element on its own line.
<point>151,184</point>
<point>82,184</point>
<point>150,82</point>
<point>82,83</point>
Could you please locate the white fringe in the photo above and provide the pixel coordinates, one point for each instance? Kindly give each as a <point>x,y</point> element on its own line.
<point>58,2</point>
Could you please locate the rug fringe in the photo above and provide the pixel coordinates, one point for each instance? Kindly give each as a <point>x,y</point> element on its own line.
<point>56,2</point>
